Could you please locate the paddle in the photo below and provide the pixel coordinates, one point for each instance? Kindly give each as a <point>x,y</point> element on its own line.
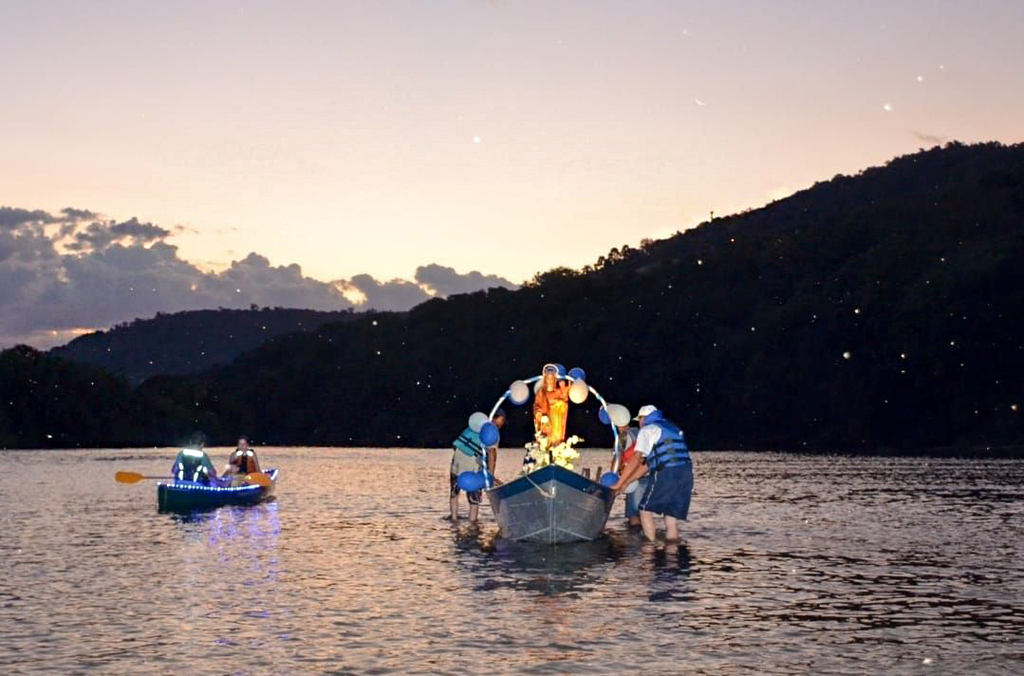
<point>133,477</point>
<point>258,478</point>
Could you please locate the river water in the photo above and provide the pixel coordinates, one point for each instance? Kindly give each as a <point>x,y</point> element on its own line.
<point>788,564</point>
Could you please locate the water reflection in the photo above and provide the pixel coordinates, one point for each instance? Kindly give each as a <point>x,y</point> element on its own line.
<point>788,564</point>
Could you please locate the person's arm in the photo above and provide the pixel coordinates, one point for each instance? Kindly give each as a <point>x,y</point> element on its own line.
<point>492,458</point>
<point>634,469</point>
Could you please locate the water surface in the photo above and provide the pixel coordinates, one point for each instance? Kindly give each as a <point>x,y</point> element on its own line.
<point>788,563</point>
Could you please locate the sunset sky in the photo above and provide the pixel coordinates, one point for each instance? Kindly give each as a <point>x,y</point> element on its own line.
<point>373,138</point>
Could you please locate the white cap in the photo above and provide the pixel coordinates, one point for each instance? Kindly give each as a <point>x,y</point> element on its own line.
<point>645,411</point>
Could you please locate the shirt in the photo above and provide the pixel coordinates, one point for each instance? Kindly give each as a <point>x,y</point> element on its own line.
<point>649,435</point>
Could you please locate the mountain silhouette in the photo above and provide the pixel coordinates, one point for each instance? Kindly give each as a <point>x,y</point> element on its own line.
<point>190,341</point>
<point>867,313</point>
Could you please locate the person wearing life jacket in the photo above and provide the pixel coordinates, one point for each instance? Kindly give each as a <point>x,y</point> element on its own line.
<point>468,455</point>
<point>662,455</point>
<point>193,464</point>
<point>242,461</point>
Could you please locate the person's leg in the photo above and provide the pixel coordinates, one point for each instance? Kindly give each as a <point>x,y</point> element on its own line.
<point>633,502</point>
<point>671,529</point>
<point>647,523</point>
<point>453,493</point>
<point>474,504</point>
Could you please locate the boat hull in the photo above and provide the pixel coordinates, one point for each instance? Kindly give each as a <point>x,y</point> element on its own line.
<point>551,505</point>
<point>188,496</point>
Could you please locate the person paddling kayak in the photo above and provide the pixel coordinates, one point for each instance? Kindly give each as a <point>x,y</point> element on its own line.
<point>242,461</point>
<point>193,464</point>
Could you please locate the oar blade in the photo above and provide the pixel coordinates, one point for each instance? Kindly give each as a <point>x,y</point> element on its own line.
<point>259,478</point>
<point>128,477</point>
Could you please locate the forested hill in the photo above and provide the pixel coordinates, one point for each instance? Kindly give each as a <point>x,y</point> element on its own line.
<point>877,311</point>
<point>189,342</point>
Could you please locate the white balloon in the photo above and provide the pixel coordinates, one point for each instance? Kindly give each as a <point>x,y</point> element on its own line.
<point>578,392</point>
<point>631,488</point>
<point>518,392</point>
<point>477,420</point>
<point>618,414</point>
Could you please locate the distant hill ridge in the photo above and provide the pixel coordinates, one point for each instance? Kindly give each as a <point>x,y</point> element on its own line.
<point>190,341</point>
<point>868,312</point>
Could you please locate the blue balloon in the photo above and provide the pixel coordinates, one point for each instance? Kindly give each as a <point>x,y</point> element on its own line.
<point>602,415</point>
<point>470,481</point>
<point>489,434</point>
<point>561,370</point>
<point>609,478</point>
<point>578,373</point>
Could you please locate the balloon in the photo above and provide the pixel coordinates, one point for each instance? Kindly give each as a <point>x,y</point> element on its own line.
<point>602,415</point>
<point>518,392</point>
<point>470,481</point>
<point>631,488</point>
<point>578,374</point>
<point>578,392</point>
<point>561,370</point>
<point>477,420</point>
<point>489,434</point>
<point>619,415</point>
<point>609,478</point>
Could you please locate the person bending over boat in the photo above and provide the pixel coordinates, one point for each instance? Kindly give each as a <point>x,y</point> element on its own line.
<point>242,461</point>
<point>662,455</point>
<point>468,456</point>
<point>193,464</point>
<point>625,448</point>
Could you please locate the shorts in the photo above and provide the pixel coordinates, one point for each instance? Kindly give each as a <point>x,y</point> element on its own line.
<point>668,491</point>
<point>473,497</point>
<point>633,499</point>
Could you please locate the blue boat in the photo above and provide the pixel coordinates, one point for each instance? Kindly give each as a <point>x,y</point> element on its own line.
<point>191,496</point>
<point>551,505</point>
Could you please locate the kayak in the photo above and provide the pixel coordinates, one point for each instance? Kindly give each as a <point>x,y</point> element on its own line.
<point>190,496</point>
<point>551,505</point>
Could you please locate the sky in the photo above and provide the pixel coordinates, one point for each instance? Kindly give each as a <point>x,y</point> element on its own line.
<point>378,153</point>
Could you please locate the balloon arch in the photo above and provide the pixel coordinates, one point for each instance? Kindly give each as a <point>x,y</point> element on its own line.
<point>518,393</point>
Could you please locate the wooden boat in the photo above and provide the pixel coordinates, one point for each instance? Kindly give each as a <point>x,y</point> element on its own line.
<point>551,505</point>
<point>189,496</point>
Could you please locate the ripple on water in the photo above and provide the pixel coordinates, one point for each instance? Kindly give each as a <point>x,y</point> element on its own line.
<point>789,563</point>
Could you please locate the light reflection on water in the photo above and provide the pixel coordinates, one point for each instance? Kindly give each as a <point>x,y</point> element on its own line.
<point>788,563</point>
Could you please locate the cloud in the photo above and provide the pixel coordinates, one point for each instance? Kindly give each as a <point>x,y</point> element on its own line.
<point>12,218</point>
<point>72,214</point>
<point>928,138</point>
<point>98,236</point>
<point>398,294</point>
<point>66,273</point>
<point>444,281</point>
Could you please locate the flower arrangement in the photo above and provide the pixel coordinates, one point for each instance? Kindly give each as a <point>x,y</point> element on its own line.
<point>539,455</point>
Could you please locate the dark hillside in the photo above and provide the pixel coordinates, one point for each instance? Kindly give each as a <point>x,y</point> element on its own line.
<point>188,342</point>
<point>870,312</point>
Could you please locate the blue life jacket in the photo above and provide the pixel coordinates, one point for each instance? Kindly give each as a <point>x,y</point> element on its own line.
<point>469,443</point>
<point>670,450</point>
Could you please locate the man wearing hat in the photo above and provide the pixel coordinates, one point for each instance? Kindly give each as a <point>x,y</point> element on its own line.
<point>662,455</point>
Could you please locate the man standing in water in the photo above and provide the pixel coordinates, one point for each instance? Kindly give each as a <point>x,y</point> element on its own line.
<point>468,456</point>
<point>661,453</point>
